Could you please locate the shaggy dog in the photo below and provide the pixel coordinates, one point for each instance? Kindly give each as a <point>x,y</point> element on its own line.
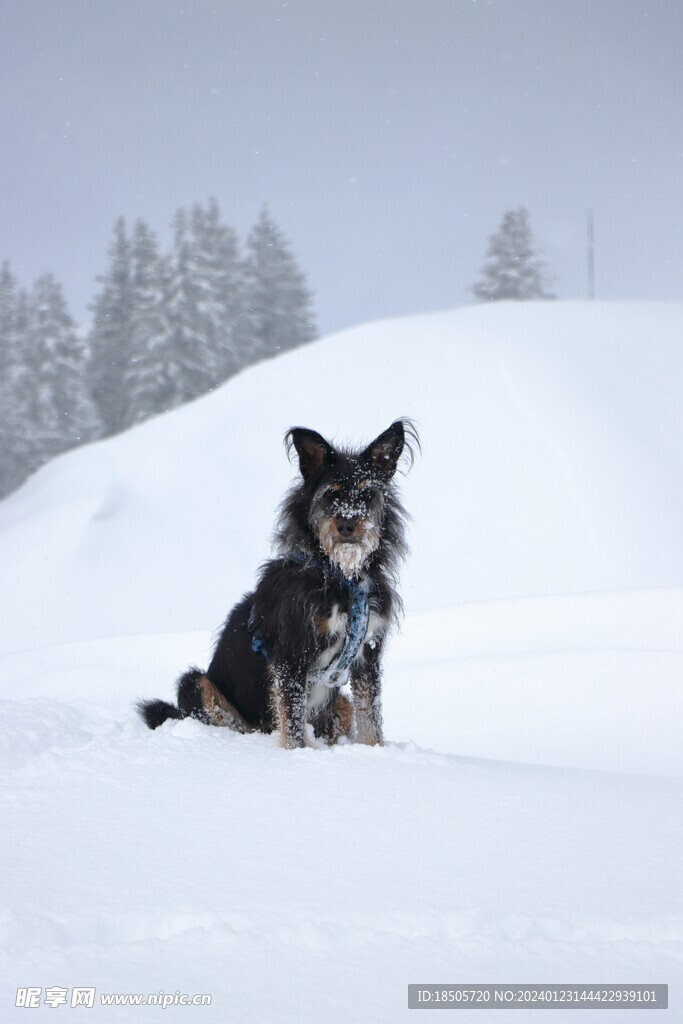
<point>322,607</point>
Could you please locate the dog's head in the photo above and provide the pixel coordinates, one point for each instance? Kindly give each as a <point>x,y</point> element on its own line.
<point>343,495</point>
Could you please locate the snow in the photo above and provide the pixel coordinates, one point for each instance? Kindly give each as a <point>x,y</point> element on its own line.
<point>552,437</point>
<point>522,823</point>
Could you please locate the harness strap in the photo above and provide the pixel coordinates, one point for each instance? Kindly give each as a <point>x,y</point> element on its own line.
<point>357,621</point>
<point>356,624</point>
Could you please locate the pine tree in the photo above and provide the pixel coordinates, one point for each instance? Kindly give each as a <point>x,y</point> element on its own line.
<point>278,303</point>
<point>205,302</point>
<point>217,268</point>
<point>22,384</point>
<point>8,311</point>
<point>60,410</point>
<point>14,464</point>
<point>187,354</point>
<point>145,380</point>
<point>513,268</point>
<point>110,337</point>
<point>8,303</point>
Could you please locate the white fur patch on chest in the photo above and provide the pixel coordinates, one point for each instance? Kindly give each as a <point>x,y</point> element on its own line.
<point>318,698</point>
<point>335,627</point>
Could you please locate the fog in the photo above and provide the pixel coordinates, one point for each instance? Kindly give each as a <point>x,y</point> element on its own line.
<point>387,136</point>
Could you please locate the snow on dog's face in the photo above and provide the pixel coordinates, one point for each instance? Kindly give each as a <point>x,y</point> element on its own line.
<point>345,493</point>
<point>346,516</point>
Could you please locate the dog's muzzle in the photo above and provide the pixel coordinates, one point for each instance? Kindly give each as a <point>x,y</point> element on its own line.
<point>348,529</point>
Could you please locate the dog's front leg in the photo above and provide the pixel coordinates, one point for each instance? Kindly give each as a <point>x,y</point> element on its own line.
<point>288,682</point>
<point>367,706</point>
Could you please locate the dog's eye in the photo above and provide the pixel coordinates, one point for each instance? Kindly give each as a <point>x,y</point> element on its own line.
<point>334,487</point>
<point>362,485</point>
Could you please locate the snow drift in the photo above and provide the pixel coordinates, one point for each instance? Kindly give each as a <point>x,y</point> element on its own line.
<point>552,440</point>
<point>544,600</point>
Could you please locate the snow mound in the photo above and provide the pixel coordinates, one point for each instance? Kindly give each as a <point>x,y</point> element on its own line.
<point>589,681</point>
<point>292,886</point>
<point>552,439</point>
<point>540,839</point>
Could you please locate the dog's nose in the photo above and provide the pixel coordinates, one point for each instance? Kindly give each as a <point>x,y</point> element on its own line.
<point>345,527</point>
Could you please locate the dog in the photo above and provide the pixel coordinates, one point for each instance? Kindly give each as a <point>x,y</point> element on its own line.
<point>322,608</point>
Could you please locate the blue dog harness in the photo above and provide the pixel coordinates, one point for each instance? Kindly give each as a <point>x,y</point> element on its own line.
<point>356,624</point>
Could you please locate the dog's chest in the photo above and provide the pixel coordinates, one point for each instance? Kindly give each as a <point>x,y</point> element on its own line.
<point>332,631</point>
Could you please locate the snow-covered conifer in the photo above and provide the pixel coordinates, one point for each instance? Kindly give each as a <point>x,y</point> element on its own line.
<point>513,268</point>
<point>218,273</point>
<point>58,406</point>
<point>110,336</point>
<point>146,383</point>
<point>187,356</point>
<point>278,302</point>
<point>13,442</point>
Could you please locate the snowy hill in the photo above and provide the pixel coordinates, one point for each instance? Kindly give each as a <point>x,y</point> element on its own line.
<point>553,445</point>
<point>543,638</point>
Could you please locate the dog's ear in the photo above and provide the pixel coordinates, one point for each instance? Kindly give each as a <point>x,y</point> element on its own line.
<point>313,450</point>
<point>385,451</point>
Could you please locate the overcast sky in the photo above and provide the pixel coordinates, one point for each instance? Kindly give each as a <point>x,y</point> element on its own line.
<point>388,137</point>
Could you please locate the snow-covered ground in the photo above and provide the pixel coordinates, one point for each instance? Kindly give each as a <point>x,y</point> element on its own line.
<point>524,821</point>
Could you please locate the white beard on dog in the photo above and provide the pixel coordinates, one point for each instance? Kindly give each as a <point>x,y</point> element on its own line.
<point>351,557</point>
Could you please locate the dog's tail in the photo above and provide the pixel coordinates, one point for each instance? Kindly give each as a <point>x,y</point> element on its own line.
<point>156,712</point>
<point>197,698</point>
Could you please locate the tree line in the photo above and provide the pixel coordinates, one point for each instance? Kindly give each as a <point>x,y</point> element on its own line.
<point>169,327</point>
<point>166,328</point>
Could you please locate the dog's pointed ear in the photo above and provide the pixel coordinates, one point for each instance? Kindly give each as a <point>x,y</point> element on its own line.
<point>384,452</point>
<point>314,452</point>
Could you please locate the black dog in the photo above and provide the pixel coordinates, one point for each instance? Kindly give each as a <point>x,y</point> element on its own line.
<point>321,609</point>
